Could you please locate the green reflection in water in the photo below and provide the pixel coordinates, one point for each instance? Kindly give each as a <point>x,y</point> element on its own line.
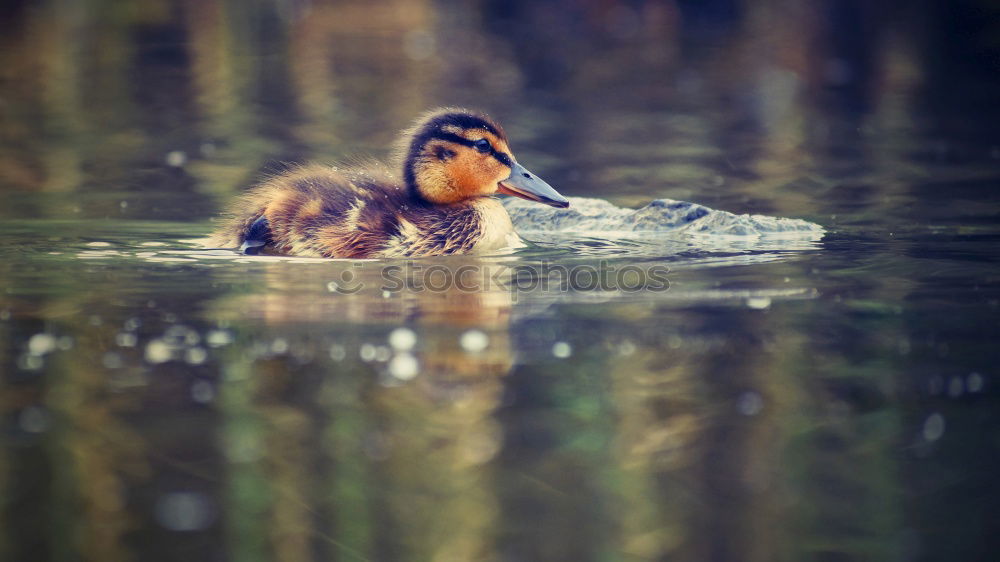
<point>163,401</point>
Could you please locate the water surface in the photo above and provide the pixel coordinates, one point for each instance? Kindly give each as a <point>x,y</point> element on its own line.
<point>831,400</point>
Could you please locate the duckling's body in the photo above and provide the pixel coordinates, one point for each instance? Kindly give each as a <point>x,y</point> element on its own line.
<point>453,163</point>
<point>321,212</point>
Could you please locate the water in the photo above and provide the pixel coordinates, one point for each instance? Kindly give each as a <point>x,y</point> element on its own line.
<point>829,397</point>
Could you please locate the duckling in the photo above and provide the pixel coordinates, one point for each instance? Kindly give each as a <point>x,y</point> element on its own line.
<point>453,162</point>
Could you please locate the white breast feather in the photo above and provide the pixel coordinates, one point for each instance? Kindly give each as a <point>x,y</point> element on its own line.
<point>497,230</point>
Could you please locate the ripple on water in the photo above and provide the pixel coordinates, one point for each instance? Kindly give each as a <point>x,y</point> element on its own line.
<point>682,232</point>
<point>597,216</point>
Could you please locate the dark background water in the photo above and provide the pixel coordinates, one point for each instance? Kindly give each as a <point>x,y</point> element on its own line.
<point>836,401</point>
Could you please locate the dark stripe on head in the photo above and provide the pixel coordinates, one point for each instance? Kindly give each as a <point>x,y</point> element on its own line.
<point>462,120</point>
<point>450,137</point>
<point>433,128</point>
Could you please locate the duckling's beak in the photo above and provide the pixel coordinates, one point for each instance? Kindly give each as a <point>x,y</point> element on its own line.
<point>526,185</point>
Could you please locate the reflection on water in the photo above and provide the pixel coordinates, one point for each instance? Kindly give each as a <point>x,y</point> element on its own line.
<point>829,399</point>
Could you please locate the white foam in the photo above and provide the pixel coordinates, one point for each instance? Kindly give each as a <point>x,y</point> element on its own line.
<point>596,216</point>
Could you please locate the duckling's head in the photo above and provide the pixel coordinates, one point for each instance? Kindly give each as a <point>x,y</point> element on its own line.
<point>453,155</point>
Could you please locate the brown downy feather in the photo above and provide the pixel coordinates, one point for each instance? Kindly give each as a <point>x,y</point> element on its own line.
<point>441,205</point>
<point>319,211</point>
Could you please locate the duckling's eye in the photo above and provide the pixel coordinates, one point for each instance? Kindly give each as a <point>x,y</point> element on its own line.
<point>482,145</point>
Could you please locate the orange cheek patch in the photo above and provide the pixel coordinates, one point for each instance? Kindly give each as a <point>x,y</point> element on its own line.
<point>465,173</point>
<point>474,174</point>
<point>497,172</point>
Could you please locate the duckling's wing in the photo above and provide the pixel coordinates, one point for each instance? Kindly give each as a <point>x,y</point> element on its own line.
<point>307,211</point>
